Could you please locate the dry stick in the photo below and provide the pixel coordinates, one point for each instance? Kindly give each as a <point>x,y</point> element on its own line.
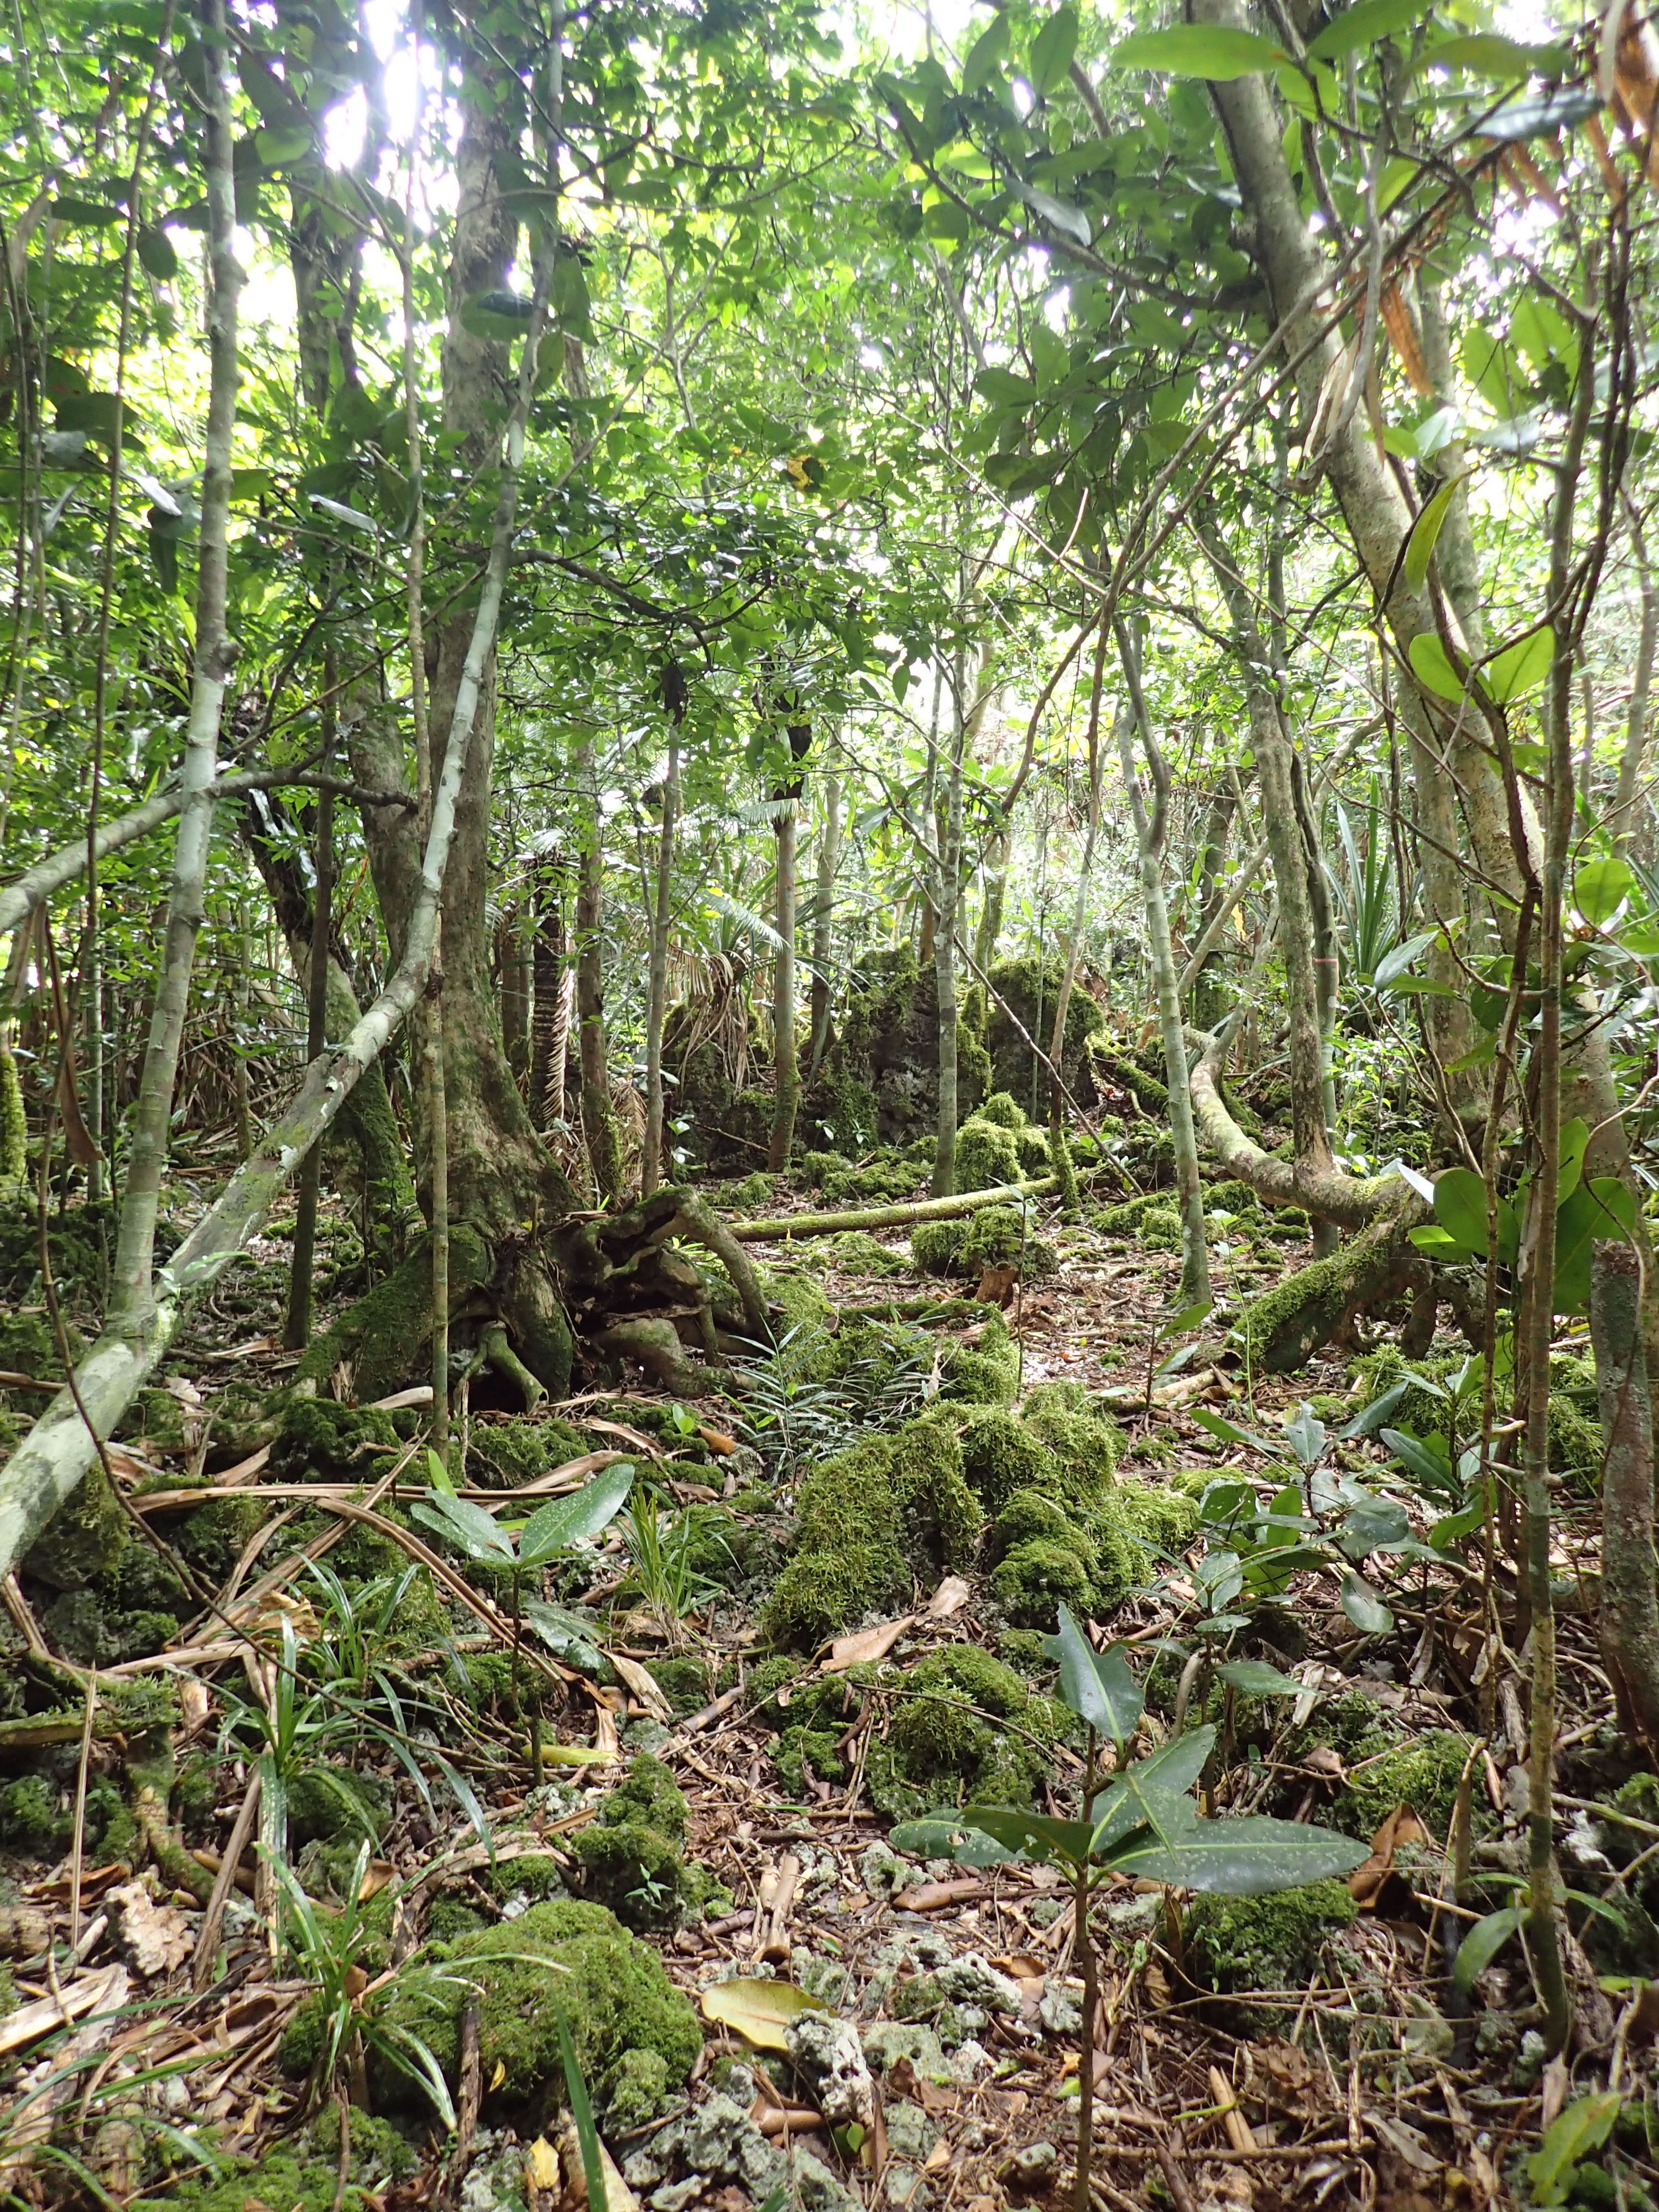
<point>50,1463</point>
<point>207,1937</point>
<point>77,1855</point>
<point>886,1216</point>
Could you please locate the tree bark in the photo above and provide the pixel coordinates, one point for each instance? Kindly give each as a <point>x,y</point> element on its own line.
<point>785,1048</point>
<point>824,916</point>
<point>215,655</point>
<point>1194,1251</point>
<point>662,913</point>
<point>600,1133</point>
<point>297,1333</point>
<point>1629,1608</point>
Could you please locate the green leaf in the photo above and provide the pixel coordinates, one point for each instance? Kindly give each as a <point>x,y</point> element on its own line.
<point>567,1634</point>
<point>1365,24</point>
<point>1520,669</point>
<point>1153,1793</point>
<point>1541,117</point>
<point>567,1521</point>
<point>1392,965</point>
<point>438,1474</point>
<point>95,215</point>
<point>1481,1944</point>
<point>1600,888</point>
<point>581,2111</point>
<point>985,56</point>
<point>1459,1207</point>
<point>466,1526</point>
<point>1192,1316</point>
<point>1483,52</point>
<point>1599,1209</point>
<point>1572,1145</point>
<point>1032,1835</point>
<point>1005,388</point>
<point>1097,1686</point>
<point>1432,1466</point>
<point>1248,1858</point>
<point>1254,1678</point>
<point>1366,1610</point>
<point>1583,2127</point>
<point>1213,51</point>
<point>1419,546</point>
<point>156,253</point>
<point>1070,222</point>
<point>1052,48</point>
<point>1431,665</point>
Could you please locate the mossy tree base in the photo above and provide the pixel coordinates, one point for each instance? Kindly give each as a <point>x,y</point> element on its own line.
<point>1286,1326</point>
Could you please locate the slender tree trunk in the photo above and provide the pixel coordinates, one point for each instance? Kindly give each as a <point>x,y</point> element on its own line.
<point>599,1130</point>
<point>512,960</point>
<point>1194,1251</point>
<point>215,655</point>
<point>94,1002</point>
<point>297,1333</point>
<point>652,1162</point>
<point>824,916</point>
<point>1224,811</point>
<point>785,1047</point>
<point>1624,807</point>
<point>1630,1589</point>
<point>944,892</point>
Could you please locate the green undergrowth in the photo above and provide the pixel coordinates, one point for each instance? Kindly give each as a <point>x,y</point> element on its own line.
<point>1452,1411</point>
<point>632,1858</point>
<point>303,2173</point>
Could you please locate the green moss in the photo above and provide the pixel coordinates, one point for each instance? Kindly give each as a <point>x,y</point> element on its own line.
<point>648,1793</point>
<point>804,1751</point>
<point>1023,996</point>
<point>639,2090</point>
<point>1087,1443</point>
<point>963,1726</point>
<point>987,1155</point>
<point>533,1876</point>
<point>506,1455</point>
<point>684,1682</point>
<point>634,1869</point>
<point>754,1192</point>
<point>318,1440</point>
<point>1032,1513</point>
<point>1422,1772</point>
<point>611,1991</point>
<point>30,1819</point>
<point>83,1541</point>
<point>303,2176</point>
<point>1004,1110</point>
<point>999,1454</point>
<point>815,1167</point>
<point>213,1537</point>
<point>879,1180</point>
<point>1271,1943</point>
<point>1231,1196</point>
<point>857,1253</point>
<point>936,1245</point>
<point>985,1374</point>
<point>893,1508</point>
<point>1037,1577</point>
<point>336,1804</point>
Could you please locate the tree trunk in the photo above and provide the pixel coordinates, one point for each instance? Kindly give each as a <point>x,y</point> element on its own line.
<point>786,1050</point>
<point>1625,821</point>
<point>1223,811</point>
<point>600,1132</point>
<point>297,1333</point>
<point>654,1154</point>
<point>1194,1252</point>
<point>944,892</point>
<point>550,1036</point>
<point>1630,1606</point>
<point>215,655</point>
<point>824,914</point>
<point>512,967</point>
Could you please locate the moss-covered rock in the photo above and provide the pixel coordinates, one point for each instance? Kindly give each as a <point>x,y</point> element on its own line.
<point>987,1155</point>
<point>995,1236</point>
<point>82,1543</point>
<point>936,1245</point>
<point>302,2175</point>
<point>983,1373</point>
<point>1022,999</point>
<point>564,1957</point>
<point>33,1819</point>
<point>1423,1772</point>
<point>964,1726</point>
<point>1039,1576</point>
<point>1268,1943</point>
<point>319,1440</point>
<point>1002,1108</point>
<point>632,1859</point>
<point>892,1509</point>
<point>858,1253</point>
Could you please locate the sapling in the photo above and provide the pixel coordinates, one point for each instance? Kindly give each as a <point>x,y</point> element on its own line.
<point>516,1550</point>
<point>1138,1819</point>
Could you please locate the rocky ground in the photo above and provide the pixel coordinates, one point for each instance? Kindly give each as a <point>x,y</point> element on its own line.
<point>625,1819</point>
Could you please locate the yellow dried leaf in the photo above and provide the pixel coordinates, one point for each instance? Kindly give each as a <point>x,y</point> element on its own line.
<point>758,2011</point>
<point>498,2077</point>
<point>542,2164</point>
<point>1402,336</point>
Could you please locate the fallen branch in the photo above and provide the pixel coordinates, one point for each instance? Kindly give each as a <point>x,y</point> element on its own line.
<point>787,1225</point>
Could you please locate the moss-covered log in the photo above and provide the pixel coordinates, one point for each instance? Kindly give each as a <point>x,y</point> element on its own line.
<point>1285,1327</point>
<point>787,1225</point>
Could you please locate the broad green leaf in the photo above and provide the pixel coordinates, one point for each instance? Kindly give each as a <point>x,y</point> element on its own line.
<point>1374,1416</point>
<point>1583,2127</point>
<point>1256,1679</point>
<point>1599,1209</point>
<point>568,298</point>
<point>1305,1434</point>
<point>1004,388</point>
<point>466,1526</point>
<point>1392,965</point>
<point>1600,888</point>
<point>1459,1207</point>
<point>1419,546</point>
<point>1429,1239</point>
<point>1452,1527</point>
<point>1427,1462</point>
<point>944,1835</point>
<point>1366,1609</point>
<point>1192,1316</point>
<point>1374,1526</point>
<point>567,1521</point>
<point>156,254</point>
<point>1097,1686</point>
<point>1032,1835</point>
<point>1153,1793</point>
<point>1520,669</point>
<point>438,1474</point>
<point>1060,215</point>
<point>1481,1944</point>
<point>1431,665</point>
<point>1213,51</point>
<point>567,1634</point>
<point>1561,110</point>
<point>1052,48</point>
<point>1218,1425</point>
<point>93,214</point>
<point>1483,52</point>
<point>1365,24</point>
<point>1572,1145</point>
<point>1248,1858</point>
<point>985,56</point>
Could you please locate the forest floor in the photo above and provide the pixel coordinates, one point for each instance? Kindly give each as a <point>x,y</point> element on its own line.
<point>1307,2048</point>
